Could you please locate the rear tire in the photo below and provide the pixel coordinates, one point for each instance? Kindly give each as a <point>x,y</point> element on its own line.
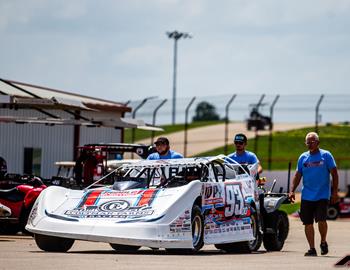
<point>53,243</point>
<point>124,248</point>
<point>255,244</point>
<point>279,222</point>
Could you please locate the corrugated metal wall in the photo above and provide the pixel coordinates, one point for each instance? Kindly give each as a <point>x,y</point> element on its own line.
<point>56,142</point>
<point>102,134</point>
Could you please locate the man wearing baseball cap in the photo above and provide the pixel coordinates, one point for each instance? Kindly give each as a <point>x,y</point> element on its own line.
<point>163,150</point>
<point>241,155</point>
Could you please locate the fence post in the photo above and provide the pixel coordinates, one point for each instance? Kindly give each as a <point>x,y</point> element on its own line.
<point>133,116</point>
<point>186,125</point>
<point>227,121</point>
<point>317,115</point>
<point>270,135</point>
<point>256,129</point>
<point>154,117</point>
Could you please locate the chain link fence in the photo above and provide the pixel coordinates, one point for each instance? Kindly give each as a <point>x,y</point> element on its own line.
<point>289,108</point>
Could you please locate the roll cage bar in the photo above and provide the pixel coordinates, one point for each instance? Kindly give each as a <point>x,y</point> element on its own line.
<point>181,171</point>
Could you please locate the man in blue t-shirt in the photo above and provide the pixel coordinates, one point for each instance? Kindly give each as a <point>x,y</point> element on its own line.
<point>314,166</point>
<point>163,150</point>
<point>241,155</point>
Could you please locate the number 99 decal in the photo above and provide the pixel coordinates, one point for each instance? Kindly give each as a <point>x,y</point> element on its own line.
<point>234,200</point>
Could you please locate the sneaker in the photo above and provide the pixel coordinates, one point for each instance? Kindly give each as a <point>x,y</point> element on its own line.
<point>324,248</point>
<point>311,252</point>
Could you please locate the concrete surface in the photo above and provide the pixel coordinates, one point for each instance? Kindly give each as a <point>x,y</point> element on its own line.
<point>20,252</point>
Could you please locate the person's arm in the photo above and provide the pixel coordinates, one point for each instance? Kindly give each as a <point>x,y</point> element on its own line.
<point>260,169</point>
<point>295,184</point>
<point>335,183</point>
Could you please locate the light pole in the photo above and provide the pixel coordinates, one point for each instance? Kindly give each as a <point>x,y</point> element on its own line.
<point>176,36</point>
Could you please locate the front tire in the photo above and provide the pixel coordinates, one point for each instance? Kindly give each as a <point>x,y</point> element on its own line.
<point>53,243</point>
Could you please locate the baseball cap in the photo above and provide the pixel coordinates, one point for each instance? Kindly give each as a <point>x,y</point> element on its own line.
<point>240,137</point>
<point>162,140</point>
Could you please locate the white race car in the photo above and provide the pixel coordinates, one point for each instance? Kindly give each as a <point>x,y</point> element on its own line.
<point>178,204</point>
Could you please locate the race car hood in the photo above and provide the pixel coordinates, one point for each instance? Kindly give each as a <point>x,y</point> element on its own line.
<point>120,206</point>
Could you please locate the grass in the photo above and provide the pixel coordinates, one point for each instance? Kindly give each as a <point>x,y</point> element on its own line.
<point>287,146</point>
<point>290,208</point>
<point>144,134</point>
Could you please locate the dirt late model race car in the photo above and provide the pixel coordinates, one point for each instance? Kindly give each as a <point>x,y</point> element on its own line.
<point>178,204</point>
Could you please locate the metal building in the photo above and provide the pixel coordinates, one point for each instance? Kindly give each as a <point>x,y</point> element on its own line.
<point>39,125</point>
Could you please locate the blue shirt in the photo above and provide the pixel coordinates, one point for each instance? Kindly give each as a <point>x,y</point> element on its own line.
<point>315,169</point>
<point>245,158</point>
<point>171,155</point>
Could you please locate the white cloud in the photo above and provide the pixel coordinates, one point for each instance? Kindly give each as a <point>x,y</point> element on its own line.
<point>236,44</point>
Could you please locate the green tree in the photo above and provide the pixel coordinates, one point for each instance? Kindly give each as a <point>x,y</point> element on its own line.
<point>205,112</point>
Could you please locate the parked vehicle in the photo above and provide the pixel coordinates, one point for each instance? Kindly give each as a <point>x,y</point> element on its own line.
<point>258,121</point>
<point>17,202</point>
<point>179,205</point>
<point>340,208</point>
<point>94,161</point>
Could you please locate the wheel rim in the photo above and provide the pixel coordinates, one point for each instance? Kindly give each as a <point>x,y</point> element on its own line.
<point>196,230</point>
<point>255,231</point>
<point>331,213</point>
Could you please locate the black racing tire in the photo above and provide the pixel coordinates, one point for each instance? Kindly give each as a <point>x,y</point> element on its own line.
<point>255,244</point>
<point>53,243</point>
<point>278,221</point>
<point>124,248</point>
<point>332,212</point>
<point>197,224</point>
<point>197,227</point>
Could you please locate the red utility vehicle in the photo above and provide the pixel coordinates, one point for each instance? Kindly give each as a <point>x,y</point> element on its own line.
<point>17,202</point>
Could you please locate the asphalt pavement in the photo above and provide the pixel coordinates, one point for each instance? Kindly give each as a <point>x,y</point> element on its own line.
<point>20,252</point>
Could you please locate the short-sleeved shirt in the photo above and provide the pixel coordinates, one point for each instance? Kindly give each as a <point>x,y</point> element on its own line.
<point>246,157</point>
<point>171,155</point>
<point>315,169</point>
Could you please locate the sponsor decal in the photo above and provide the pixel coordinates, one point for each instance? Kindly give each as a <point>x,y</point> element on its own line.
<point>90,198</point>
<point>111,209</point>
<point>147,197</point>
<point>212,194</point>
<point>234,200</point>
<point>182,223</point>
<point>313,164</point>
<point>125,193</point>
<point>33,213</point>
<point>236,225</point>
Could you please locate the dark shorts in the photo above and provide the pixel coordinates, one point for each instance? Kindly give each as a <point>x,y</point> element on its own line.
<point>313,210</point>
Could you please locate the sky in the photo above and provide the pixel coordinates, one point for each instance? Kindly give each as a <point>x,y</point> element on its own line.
<point>119,50</point>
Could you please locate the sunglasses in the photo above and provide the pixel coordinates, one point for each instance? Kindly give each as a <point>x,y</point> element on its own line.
<point>239,143</point>
<point>310,142</point>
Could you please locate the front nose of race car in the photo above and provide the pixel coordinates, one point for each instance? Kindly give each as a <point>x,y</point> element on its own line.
<point>164,223</point>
